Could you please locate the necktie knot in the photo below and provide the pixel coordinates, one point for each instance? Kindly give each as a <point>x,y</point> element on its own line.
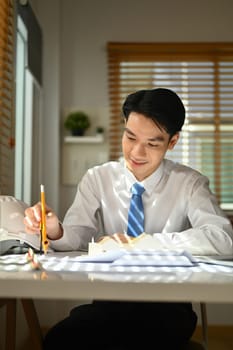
<point>137,189</point>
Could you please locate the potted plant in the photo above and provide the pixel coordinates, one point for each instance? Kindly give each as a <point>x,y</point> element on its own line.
<point>77,122</point>
<point>99,130</point>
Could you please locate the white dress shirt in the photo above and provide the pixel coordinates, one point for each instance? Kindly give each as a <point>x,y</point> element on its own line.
<point>180,210</point>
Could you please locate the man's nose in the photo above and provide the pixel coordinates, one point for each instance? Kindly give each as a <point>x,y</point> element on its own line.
<point>138,150</point>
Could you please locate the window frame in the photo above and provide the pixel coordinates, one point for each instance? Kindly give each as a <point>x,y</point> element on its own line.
<point>7,96</point>
<point>159,52</point>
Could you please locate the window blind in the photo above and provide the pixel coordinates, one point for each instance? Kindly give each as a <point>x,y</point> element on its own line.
<point>202,75</point>
<point>6,98</point>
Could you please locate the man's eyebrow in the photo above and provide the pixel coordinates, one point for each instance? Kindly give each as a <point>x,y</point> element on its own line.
<point>157,139</point>
<point>153,139</point>
<point>129,131</point>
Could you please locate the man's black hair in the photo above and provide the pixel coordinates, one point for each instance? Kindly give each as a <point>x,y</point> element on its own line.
<point>162,105</point>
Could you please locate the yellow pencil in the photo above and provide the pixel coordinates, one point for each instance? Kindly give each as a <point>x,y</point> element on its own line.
<point>44,240</point>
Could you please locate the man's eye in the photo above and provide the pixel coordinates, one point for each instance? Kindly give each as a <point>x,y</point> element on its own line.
<point>130,138</point>
<point>153,145</point>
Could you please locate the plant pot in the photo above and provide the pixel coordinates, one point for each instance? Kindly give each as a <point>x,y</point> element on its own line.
<point>78,132</point>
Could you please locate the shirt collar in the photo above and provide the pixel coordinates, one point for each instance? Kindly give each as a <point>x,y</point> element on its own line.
<point>149,183</point>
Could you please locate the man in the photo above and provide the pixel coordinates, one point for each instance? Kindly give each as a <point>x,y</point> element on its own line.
<point>179,211</point>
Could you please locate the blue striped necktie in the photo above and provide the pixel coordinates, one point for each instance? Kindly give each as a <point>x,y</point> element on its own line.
<point>136,211</point>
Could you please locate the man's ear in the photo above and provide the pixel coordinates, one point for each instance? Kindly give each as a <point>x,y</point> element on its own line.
<point>173,140</point>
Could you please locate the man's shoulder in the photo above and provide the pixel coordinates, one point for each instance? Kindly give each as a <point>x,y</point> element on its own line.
<point>179,168</point>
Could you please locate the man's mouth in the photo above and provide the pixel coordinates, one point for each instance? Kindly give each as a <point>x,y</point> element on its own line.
<point>137,162</point>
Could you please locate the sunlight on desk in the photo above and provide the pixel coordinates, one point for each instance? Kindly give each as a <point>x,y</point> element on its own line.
<point>68,276</point>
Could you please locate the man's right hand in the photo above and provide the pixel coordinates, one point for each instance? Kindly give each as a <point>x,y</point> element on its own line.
<point>32,220</point>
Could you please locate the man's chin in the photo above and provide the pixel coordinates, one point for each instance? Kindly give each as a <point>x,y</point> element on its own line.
<point>140,174</point>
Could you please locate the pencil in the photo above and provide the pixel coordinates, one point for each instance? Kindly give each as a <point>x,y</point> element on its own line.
<point>44,240</point>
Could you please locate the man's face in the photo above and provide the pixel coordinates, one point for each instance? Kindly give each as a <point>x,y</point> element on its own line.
<point>144,145</point>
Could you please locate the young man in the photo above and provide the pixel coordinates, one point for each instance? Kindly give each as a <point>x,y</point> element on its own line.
<point>180,213</point>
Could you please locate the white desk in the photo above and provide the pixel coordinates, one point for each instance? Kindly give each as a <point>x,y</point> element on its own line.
<point>203,283</point>
<point>62,278</point>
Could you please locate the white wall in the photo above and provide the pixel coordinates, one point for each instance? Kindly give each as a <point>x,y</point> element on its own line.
<point>75,59</point>
<point>75,70</point>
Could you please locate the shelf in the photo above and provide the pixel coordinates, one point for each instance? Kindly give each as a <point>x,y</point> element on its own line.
<point>84,139</point>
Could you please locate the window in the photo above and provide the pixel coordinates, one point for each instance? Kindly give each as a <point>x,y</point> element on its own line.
<point>28,99</point>
<point>20,99</point>
<point>6,97</point>
<point>202,75</point>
